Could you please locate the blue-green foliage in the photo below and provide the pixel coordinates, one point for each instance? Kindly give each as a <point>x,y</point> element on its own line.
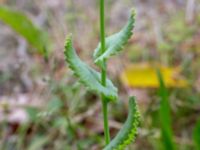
<point>88,76</point>
<point>115,42</point>
<point>92,80</point>
<point>128,132</point>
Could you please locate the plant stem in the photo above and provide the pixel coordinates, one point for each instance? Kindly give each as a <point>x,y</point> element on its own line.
<point>103,74</point>
<point>105,120</point>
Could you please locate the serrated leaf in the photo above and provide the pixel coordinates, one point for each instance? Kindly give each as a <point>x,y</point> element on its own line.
<point>88,76</point>
<point>115,43</point>
<point>21,24</point>
<point>128,132</point>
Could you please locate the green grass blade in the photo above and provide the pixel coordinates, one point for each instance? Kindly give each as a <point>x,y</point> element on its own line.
<point>165,117</point>
<point>116,42</point>
<point>196,135</point>
<point>128,132</point>
<point>21,24</point>
<point>88,76</point>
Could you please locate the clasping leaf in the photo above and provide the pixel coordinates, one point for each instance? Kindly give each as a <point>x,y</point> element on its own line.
<point>115,43</point>
<point>88,76</point>
<point>128,132</point>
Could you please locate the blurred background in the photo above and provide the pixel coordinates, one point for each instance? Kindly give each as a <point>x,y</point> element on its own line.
<point>43,107</point>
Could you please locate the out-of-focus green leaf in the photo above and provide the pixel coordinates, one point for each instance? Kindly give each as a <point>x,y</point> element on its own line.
<point>54,105</point>
<point>21,24</point>
<point>196,135</point>
<point>38,143</point>
<point>32,113</point>
<point>88,76</point>
<point>165,116</point>
<point>177,30</point>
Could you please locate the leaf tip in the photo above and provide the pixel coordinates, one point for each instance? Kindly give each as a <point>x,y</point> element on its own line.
<point>68,41</point>
<point>133,13</point>
<point>68,38</point>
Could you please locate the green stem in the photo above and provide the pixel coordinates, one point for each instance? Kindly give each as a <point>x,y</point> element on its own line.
<point>103,74</point>
<point>105,120</point>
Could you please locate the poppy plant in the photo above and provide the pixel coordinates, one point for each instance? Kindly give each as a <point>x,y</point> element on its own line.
<point>99,82</point>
